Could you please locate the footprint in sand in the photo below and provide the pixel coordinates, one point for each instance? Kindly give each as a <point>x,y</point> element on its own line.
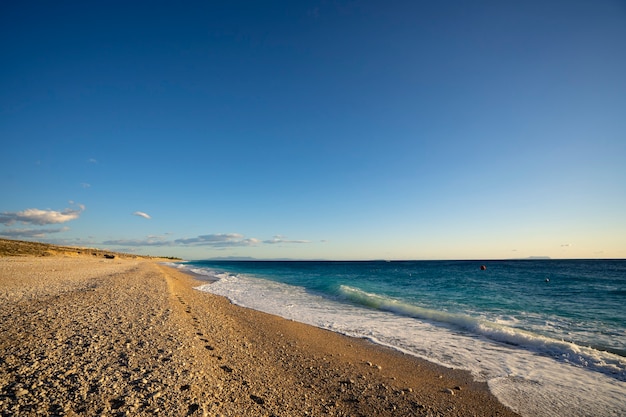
<point>257,399</point>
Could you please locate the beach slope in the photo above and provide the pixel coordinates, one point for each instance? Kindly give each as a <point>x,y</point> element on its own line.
<point>85,335</point>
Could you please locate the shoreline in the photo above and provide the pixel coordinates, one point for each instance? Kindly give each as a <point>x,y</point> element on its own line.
<point>133,337</point>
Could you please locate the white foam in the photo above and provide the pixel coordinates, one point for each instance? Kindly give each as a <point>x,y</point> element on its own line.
<point>606,362</point>
<point>209,273</point>
<point>529,381</point>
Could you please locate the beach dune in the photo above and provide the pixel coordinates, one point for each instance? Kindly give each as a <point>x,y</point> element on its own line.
<point>86,335</point>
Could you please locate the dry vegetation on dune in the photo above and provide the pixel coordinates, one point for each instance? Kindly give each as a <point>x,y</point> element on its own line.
<point>23,248</point>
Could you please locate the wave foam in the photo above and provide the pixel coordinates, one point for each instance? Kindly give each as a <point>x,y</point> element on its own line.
<point>568,352</point>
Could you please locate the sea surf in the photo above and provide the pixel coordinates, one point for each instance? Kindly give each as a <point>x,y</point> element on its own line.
<point>548,336</point>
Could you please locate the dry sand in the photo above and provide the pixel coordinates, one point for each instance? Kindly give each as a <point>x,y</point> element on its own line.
<point>123,337</point>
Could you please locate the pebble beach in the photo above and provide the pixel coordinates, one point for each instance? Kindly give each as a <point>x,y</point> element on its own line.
<point>85,335</point>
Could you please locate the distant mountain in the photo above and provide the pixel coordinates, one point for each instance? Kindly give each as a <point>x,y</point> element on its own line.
<point>249,258</point>
<point>232,258</point>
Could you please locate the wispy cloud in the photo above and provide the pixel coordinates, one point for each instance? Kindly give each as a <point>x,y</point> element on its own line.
<point>75,241</point>
<point>40,217</point>
<point>216,240</point>
<point>92,161</point>
<point>566,245</point>
<point>31,233</point>
<point>148,241</point>
<point>142,214</point>
<point>85,185</point>
<point>219,240</point>
<point>282,239</point>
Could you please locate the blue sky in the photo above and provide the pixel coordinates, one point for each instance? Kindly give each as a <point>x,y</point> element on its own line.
<point>316,129</point>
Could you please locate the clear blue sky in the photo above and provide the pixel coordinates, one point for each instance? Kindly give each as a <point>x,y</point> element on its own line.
<point>316,129</point>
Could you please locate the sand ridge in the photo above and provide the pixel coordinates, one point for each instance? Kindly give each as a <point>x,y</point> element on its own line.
<point>123,337</point>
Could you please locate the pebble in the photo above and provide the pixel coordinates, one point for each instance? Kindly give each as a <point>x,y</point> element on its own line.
<point>21,392</point>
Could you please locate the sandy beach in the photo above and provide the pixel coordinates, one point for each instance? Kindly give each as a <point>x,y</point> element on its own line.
<point>86,335</point>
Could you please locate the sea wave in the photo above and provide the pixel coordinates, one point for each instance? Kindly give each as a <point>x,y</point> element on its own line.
<point>519,367</point>
<point>564,351</point>
<point>204,273</point>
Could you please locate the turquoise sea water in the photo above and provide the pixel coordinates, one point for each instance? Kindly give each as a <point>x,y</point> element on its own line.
<point>548,336</point>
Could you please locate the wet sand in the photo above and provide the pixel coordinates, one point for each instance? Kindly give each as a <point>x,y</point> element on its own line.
<point>91,336</point>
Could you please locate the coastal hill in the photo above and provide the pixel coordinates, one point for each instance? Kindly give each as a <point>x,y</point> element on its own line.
<point>10,247</point>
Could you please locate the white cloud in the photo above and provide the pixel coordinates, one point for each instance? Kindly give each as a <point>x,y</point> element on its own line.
<point>92,161</point>
<point>149,241</point>
<point>282,239</point>
<point>219,240</point>
<point>31,233</point>
<point>85,185</point>
<point>75,241</point>
<point>142,214</point>
<point>566,245</point>
<point>40,217</point>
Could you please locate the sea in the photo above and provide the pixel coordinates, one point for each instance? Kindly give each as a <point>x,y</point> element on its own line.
<point>547,336</point>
